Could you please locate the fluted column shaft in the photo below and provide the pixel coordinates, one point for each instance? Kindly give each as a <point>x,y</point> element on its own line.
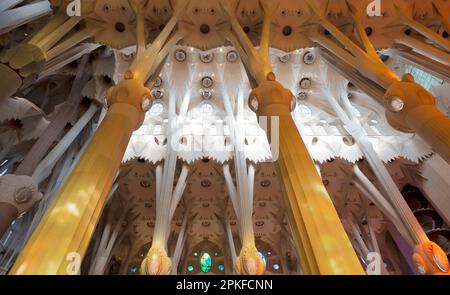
<point>322,243</point>
<point>69,223</point>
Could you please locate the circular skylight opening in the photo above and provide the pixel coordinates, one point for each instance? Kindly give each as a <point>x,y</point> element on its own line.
<point>156,109</point>
<point>206,108</point>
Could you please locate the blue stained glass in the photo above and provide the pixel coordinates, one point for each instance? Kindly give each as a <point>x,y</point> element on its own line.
<point>134,268</point>
<point>221,267</point>
<point>264,257</point>
<point>423,78</point>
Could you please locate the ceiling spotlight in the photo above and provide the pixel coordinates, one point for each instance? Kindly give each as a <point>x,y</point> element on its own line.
<point>206,94</point>
<point>180,55</point>
<point>302,95</point>
<point>232,56</point>
<point>207,82</point>
<point>305,83</point>
<point>207,57</point>
<point>158,93</point>
<point>309,58</point>
<point>158,82</point>
<point>284,58</point>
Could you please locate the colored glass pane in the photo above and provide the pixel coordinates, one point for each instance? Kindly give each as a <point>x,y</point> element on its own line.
<point>205,262</point>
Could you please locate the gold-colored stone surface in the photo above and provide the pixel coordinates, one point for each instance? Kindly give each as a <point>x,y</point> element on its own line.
<point>322,243</point>
<point>69,223</point>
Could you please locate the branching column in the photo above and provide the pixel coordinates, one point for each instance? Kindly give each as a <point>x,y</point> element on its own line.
<point>409,106</point>
<point>22,64</point>
<point>64,233</point>
<point>70,221</point>
<point>323,245</point>
<point>322,242</point>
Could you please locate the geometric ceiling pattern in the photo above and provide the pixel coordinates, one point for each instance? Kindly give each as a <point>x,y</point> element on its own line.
<point>199,178</point>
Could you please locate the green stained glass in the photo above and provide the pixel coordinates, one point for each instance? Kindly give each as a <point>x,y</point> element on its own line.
<point>205,262</point>
<point>221,267</point>
<point>190,268</point>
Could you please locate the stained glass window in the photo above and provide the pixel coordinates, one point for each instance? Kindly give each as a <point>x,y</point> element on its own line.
<point>190,267</point>
<point>423,78</point>
<point>134,268</point>
<point>264,257</point>
<point>205,262</point>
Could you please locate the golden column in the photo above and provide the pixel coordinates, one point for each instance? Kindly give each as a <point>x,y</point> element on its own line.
<point>67,227</point>
<point>322,243</point>
<point>60,241</point>
<point>409,107</point>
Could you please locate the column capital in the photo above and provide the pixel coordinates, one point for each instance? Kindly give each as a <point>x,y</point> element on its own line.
<point>271,98</point>
<point>431,259</point>
<point>157,262</point>
<point>411,108</point>
<point>20,191</point>
<point>249,261</point>
<point>402,98</point>
<point>133,93</point>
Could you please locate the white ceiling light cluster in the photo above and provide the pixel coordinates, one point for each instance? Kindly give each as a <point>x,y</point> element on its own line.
<point>195,99</point>
<point>325,136</point>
